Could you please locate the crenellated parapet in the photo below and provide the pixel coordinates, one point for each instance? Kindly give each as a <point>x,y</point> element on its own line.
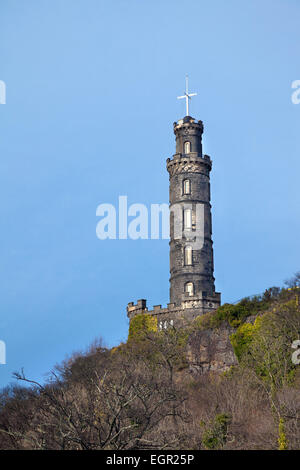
<point>136,309</point>
<point>176,315</point>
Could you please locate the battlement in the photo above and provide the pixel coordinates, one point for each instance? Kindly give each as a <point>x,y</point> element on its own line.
<point>190,308</point>
<point>190,122</point>
<point>135,309</point>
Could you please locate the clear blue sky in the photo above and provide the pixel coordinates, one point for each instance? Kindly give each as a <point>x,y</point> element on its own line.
<point>91,101</point>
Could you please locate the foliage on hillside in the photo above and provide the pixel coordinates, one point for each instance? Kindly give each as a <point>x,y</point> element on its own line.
<point>141,395</point>
<point>215,435</point>
<point>243,337</point>
<point>141,325</point>
<point>236,314</point>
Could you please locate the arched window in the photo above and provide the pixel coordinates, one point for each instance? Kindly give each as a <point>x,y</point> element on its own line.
<point>187,216</point>
<point>188,256</point>
<point>189,288</point>
<point>187,147</point>
<point>187,187</point>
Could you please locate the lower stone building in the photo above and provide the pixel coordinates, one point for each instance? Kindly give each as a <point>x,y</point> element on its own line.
<point>175,314</point>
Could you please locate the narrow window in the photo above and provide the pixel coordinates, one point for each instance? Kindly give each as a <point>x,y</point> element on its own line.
<point>165,325</point>
<point>186,187</point>
<point>189,288</point>
<point>188,256</point>
<point>171,322</point>
<point>187,147</point>
<point>188,219</point>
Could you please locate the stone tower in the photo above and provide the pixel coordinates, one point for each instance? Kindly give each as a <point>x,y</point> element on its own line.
<point>191,246</point>
<point>192,287</point>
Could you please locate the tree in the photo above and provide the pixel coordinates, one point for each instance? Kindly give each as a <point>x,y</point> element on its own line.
<point>293,281</point>
<point>119,400</point>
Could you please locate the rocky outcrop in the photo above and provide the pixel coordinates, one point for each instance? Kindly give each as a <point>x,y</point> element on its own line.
<point>211,350</point>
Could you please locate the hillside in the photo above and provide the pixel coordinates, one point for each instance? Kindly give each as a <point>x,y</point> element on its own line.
<point>225,381</point>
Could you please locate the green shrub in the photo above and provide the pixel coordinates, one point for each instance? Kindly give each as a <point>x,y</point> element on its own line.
<point>140,325</point>
<point>241,339</point>
<point>215,436</point>
<point>236,314</point>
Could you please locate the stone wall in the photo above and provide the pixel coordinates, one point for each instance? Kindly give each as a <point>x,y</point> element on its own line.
<point>175,315</point>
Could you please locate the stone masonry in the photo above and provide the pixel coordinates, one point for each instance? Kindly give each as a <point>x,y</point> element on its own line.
<point>192,288</point>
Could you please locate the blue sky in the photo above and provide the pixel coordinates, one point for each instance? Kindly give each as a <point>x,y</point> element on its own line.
<point>90,106</point>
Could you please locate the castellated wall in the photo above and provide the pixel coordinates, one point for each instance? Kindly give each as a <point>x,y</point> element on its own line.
<point>174,315</point>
